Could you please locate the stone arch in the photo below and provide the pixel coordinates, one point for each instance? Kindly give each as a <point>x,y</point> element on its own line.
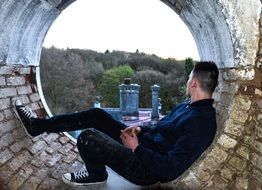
<point>227,32</point>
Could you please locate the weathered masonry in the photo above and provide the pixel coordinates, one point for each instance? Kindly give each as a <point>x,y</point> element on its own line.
<point>226,31</point>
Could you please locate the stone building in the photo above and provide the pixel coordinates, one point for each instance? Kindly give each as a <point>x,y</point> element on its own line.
<point>226,31</point>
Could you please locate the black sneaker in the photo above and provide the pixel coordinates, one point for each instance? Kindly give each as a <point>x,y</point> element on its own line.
<point>82,178</point>
<point>26,116</point>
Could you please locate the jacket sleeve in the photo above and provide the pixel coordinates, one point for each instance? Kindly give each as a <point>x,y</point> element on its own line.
<point>184,152</point>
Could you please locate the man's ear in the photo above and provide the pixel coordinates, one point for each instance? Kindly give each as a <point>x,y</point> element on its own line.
<point>194,83</point>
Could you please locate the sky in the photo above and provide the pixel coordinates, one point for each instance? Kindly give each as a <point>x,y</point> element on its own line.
<point>126,25</point>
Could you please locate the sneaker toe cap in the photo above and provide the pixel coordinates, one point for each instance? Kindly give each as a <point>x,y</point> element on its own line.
<point>18,103</point>
<point>67,176</point>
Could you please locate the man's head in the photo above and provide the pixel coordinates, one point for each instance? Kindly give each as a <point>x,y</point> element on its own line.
<point>203,78</point>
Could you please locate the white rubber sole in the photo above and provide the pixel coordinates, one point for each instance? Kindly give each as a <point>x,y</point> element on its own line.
<point>74,184</point>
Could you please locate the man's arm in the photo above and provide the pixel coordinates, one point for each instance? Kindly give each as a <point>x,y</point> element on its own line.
<point>180,157</point>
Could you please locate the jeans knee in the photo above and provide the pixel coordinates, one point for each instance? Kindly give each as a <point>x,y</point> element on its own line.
<point>85,137</point>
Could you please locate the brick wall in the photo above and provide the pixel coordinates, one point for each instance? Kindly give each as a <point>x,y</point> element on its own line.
<point>24,162</point>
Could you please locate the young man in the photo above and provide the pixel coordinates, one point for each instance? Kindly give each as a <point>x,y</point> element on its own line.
<point>140,154</point>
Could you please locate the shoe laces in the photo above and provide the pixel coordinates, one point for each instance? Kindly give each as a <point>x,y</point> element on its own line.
<point>81,174</point>
<point>28,113</point>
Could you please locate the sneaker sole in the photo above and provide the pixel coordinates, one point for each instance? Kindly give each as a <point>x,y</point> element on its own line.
<point>75,184</point>
<point>22,123</point>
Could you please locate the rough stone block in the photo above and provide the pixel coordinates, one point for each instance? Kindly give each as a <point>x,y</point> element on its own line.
<point>172,1</point>
<point>211,163</point>
<point>70,157</point>
<point>51,138</point>
<point>258,92</point>
<point>259,103</point>
<point>2,81</point>
<point>54,159</point>
<point>233,129</point>
<point>18,179</point>
<point>258,146</point>
<point>7,92</point>
<point>256,174</point>
<point>216,96</point>
<point>66,148</point>
<point>5,103</point>
<point>24,99</point>
<point>60,170</point>
<point>7,126</point>
<point>50,150</point>
<point>243,151</point>
<point>24,90</point>
<point>37,163</point>
<point>2,116</point>
<point>238,163</point>
<point>219,182</point>
<point>55,3</point>
<point>202,173</point>
<point>239,116</point>
<point>31,184</point>
<point>233,74</point>
<point>258,132</point>
<point>42,173</point>
<point>241,183</point>
<point>63,140</point>
<point>226,173</point>
<point>219,154</point>
<point>76,166</point>
<point>34,106</point>
<point>191,181</point>
<point>38,146</point>
<point>6,70</point>
<point>8,114</point>
<point>179,7</point>
<point>19,160</point>
<point>34,97</point>
<point>15,80</point>
<point>6,140</point>
<point>50,183</point>
<point>225,99</point>
<point>5,156</point>
<point>25,70</point>
<point>19,133</point>
<point>243,103</point>
<point>16,147</point>
<point>226,141</point>
<point>259,118</point>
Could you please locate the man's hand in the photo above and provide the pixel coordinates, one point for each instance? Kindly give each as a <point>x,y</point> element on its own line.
<point>129,137</point>
<point>131,128</point>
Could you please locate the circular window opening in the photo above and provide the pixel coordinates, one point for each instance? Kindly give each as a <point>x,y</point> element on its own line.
<point>78,58</point>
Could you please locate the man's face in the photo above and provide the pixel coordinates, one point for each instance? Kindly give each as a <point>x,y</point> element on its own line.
<point>188,85</point>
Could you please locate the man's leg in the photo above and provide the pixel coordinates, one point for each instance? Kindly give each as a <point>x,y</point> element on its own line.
<point>97,150</point>
<point>93,118</point>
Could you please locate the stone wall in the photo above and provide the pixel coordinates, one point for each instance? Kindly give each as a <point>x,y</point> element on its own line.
<point>234,161</point>
<point>24,162</point>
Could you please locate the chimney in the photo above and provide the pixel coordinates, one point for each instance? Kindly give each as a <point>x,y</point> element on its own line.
<point>129,100</point>
<point>155,102</point>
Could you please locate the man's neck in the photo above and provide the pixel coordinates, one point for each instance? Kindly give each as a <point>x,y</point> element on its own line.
<point>199,96</point>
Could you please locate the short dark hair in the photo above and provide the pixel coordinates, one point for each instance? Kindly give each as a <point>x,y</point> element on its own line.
<point>206,72</point>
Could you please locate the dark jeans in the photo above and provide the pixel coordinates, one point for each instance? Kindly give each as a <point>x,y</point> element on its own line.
<point>100,144</point>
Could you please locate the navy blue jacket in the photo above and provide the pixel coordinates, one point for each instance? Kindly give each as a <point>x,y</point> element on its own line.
<point>178,139</point>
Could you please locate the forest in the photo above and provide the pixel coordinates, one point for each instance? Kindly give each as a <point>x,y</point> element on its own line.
<point>72,78</point>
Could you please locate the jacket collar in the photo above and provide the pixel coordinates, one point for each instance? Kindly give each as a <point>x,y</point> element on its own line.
<point>204,102</point>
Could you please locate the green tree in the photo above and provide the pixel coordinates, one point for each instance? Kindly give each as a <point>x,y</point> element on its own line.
<point>108,86</point>
<point>189,65</point>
